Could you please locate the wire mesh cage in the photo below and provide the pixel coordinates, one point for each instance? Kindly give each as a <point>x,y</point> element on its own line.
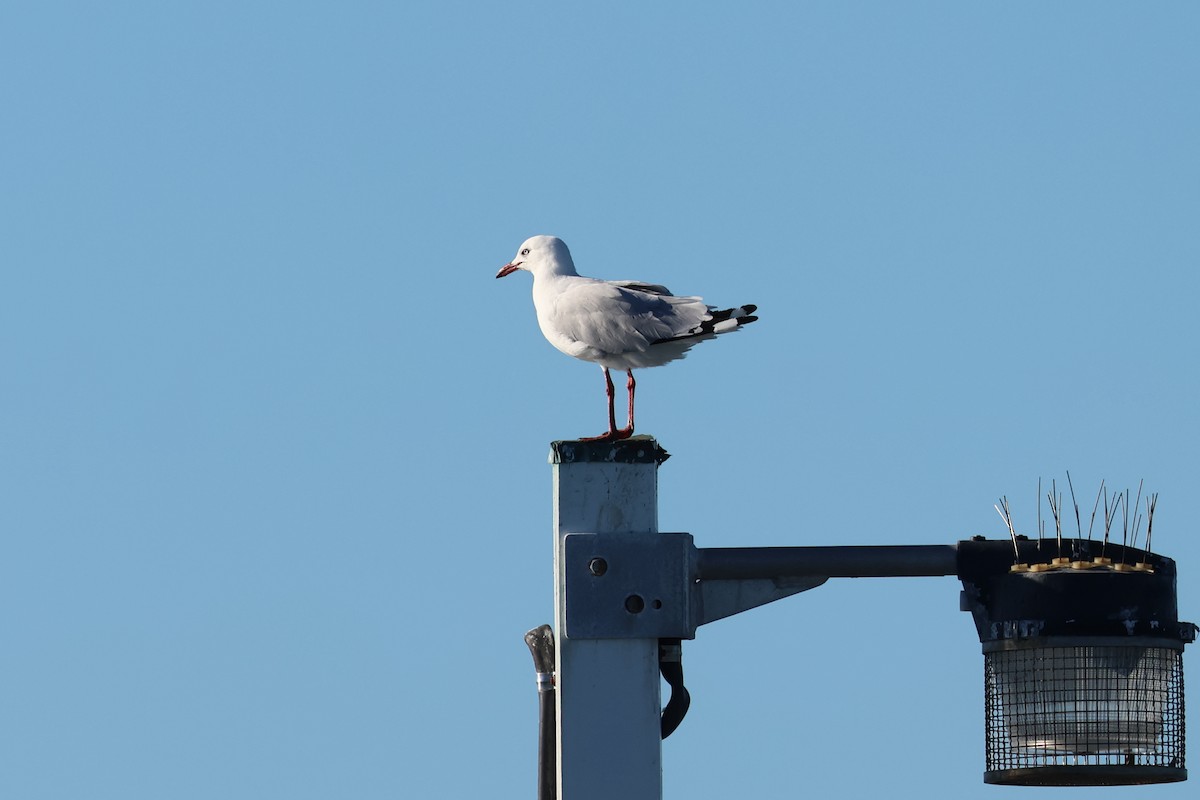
<point>1076,711</point>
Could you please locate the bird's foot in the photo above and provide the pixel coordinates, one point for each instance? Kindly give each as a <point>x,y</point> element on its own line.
<point>613,435</point>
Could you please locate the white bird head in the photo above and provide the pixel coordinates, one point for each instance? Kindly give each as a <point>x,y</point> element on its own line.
<point>541,255</point>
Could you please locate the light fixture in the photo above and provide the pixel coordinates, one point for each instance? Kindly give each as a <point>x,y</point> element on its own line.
<point>1083,662</point>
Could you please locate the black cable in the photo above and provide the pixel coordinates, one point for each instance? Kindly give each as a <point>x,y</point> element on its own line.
<point>541,646</point>
<point>670,664</point>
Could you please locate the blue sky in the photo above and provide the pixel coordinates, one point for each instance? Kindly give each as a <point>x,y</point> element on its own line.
<point>276,507</point>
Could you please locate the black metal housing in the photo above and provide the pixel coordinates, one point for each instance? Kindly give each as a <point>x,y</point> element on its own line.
<point>1083,661</point>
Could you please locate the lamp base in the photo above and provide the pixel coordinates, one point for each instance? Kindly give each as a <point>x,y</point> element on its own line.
<point>1085,775</point>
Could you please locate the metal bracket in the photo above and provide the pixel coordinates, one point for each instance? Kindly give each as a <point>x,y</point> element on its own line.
<point>628,585</point>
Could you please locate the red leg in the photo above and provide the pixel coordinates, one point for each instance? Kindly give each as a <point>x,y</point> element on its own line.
<point>612,434</point>
<point>630,385</point>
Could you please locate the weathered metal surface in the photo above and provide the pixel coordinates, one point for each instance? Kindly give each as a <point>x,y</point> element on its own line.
<point>720,599</point>
<point>609,728</point>
<point>634,450</point>
<point>628,586</point>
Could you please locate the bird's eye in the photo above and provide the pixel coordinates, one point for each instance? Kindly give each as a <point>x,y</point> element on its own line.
<point>525,252</point>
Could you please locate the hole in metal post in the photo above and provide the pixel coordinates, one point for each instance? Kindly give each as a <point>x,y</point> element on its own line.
<point>634,604</point>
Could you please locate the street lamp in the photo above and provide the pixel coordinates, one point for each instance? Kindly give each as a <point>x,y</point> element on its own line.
<point>1082,646</point>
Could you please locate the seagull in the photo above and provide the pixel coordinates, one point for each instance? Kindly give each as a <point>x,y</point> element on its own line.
<point>616,324</point>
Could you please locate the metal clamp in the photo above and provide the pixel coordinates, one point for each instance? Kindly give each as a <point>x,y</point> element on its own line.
<point>628,585</point>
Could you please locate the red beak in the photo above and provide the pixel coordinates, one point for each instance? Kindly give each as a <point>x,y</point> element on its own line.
<point>508,269</point>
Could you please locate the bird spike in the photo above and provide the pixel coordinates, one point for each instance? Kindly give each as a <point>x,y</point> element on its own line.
<point>1094,507</point>
<point>1074,502</point>
<point>1056,511</point>
<point>1041,527</point>
<point>1151,504</point>
<point>1006,515</point>
<point>1136,505</point>
<point>1125,526</point>
<point>1110,515</point>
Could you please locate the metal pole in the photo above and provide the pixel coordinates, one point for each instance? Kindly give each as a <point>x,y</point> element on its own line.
<point>609,730</point>
<point>739,563</point>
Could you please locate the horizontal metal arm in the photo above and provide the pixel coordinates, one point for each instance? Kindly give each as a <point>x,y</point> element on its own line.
<point>635,586</point>
<point>882,561</point>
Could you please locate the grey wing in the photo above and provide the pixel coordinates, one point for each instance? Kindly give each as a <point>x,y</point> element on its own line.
<point>638,286</point>
<point>616,318</point>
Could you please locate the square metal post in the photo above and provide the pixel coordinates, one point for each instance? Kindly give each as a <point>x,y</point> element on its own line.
<point>609,704</point>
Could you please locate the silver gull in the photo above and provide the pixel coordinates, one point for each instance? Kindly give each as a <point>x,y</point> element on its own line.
<point>616,324</point>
